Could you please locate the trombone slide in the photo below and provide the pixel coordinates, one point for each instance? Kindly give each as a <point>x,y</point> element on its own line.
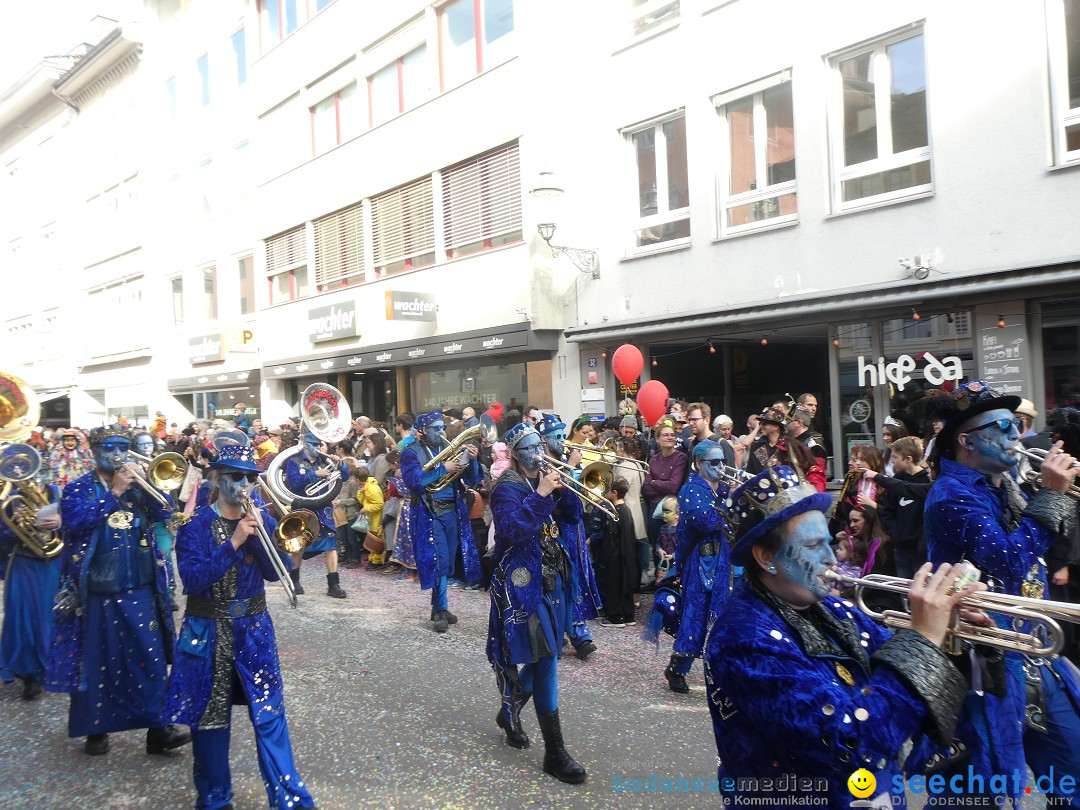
<point>271,551</point>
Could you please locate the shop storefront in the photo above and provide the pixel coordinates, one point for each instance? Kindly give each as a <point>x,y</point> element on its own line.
<point>509,364</point>
<point>215,395</point>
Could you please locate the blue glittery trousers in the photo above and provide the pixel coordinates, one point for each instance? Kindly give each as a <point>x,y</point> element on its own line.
<point>285,788</point>
<point>444,529</point>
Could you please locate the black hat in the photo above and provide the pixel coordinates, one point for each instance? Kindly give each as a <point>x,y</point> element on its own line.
<point>955,407</point>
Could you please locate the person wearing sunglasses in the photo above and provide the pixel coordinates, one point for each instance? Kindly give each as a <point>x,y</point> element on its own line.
<point>975,511</point>
<point>227,651</point>
<point>701,559</point>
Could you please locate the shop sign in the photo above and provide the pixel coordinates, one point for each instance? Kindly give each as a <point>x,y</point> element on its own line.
<point>206,349</point>
<point>241,340</point>
<point>1004,356</point>
<point>936,371</point>
<point>333,322</point>
<point>410,306</point>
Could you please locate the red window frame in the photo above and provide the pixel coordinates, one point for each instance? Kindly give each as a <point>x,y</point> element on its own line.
<point>477,39</point>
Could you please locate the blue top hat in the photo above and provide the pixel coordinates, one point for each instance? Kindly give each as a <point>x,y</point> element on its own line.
<point>425,419</point>
<point>235,457</point>
<point>551,423</point>
<point>106,432</point>
<point>769,499</point>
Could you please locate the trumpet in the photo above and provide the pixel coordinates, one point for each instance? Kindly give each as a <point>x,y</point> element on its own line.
<point>593,487</point>
<point>1035,478</point>
<point>271,551</point>
<point>1045,638</point>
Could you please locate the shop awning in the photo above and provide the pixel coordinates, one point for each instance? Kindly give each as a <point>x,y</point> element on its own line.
<point>55,393</point>
<point>853,303</point>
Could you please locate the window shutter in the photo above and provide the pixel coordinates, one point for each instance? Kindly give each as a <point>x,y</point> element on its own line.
<point>402,223</point>
<point>339,247</point>
<point>285,251</point>
<point>482,198</point>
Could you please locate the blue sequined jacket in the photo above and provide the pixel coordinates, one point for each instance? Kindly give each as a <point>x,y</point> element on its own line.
<point>1006,538</point>
<point>787,702</point>
<point>518,512</point>
<point>704,587</point>
<point>84,505</point>
<point>203,561</point>
<point>412,462</point>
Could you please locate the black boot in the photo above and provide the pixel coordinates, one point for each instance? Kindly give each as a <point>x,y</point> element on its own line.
<point>676,682</point>
<point>557,762</point>
<point>584,650</point>
<point>31,689</point>
<point>450,617</point>
<point>333,586</point>
<point>515,734</point>
<point>298,589</point>
<point>442,624</point>
<point>97,744</point>
<point>165,738</point>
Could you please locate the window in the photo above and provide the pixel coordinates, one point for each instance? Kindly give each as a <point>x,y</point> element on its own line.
<point>279,18</point>
<point>245,268</point>
<point>202,65</point>
<point>1064,46</point>
<point>205,182</point>
<point>663,185</point>
<point>170,96</point>
<point>286,266</point>
<point>652,16</point>
<point>177,285</point>
<point>481,201</point>
<point>335,120</point>
<point>403,229</point>
<point>474,35</point>
<point>399,86</point>
<point>210,290</point>
<point>881,144</point>
<point>339,249</point>
<point>239,51</point>
<point>761,157</point>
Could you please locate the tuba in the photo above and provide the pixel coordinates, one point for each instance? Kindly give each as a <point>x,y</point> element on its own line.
<point>21,500</point>
<point>19,409</point>
<point>486,430</point>
<point>327,415</point>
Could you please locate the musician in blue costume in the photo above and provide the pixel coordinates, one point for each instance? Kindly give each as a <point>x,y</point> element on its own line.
<point>439,521</point>
<point>801,685</point>
<point>587,602</point>
<point>113,631</point>
<point>227,651</point>
<point>975,511</point>
<point>311,466</point>
<point>31,582</point>
<point>701,560</point>
<point>532,596</point>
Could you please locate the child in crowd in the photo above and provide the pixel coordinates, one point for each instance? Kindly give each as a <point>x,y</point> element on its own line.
<point>618,552</point>
<point>668,538</point>
<point>902,510</point>
<point>371,501</point>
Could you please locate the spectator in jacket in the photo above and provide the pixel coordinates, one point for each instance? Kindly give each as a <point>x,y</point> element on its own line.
<point>902,507</point>
<point>666,475</point>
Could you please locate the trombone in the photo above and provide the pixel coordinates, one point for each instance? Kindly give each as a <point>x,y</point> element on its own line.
<point>1035,478</point>
<point>608,454</point>
<point>164,473</point>
<point>593,487</point>
<point>1044,640</point>
<point>271,550</point>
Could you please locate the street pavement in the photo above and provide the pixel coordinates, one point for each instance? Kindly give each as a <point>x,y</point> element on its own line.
<point>384,713</point>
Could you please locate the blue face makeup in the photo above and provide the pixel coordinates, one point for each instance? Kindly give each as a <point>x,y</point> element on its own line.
<point>144,445</point>
<point>528,453</point>
<point>555,442</point>
<point>311,450</point>
<point>109,456</point>
<point>993,450</point>
<point>712,465</point>
<point>234,492</point>
<point>805,555</point>
<point>433,433</point>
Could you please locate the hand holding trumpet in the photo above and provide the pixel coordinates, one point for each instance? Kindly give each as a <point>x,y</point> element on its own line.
<point>1058,470</point>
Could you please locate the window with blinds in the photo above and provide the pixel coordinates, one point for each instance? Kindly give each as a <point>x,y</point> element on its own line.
<point>481,201</point>
<point>285,251</point>
<point>403,228</point>
<point>339,248</point>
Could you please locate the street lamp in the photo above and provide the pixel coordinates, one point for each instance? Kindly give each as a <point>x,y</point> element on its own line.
<point>584,260</point>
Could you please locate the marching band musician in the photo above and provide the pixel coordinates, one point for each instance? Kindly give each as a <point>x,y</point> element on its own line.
<point>800,683</point>
<point>31,583</point>
<point>976,511</point>
<point>69,461</point>
<point>701,559</point>
<point>439,520</point>
<point>587,603</point>
<point>532,595</point>
<point>227,651</point>
<point>302,471</point>
<point>112,630</point>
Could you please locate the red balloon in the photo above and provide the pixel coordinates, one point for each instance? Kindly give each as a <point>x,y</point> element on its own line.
<point>627,363</point>
<point>652,401</point>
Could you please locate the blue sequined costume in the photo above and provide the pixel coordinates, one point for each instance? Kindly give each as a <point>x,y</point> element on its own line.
<point>299,475</point>
<point>31,584</point>
<point>229,659</point>
<point>436,547</point>
<point>111,655</point>
<point>1007,539</point>
<point>816,694</point>
<point>527,620</point>
<point>404,548</point>
<point>704,576</point>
